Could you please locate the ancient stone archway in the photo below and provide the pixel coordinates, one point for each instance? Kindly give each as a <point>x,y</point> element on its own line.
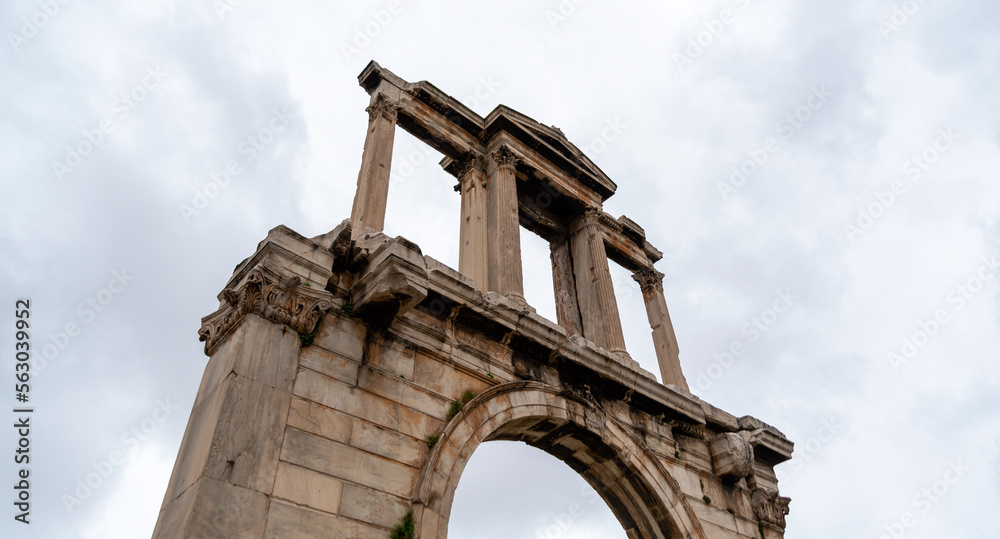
<point>350,376</point>
<point>572,427</point>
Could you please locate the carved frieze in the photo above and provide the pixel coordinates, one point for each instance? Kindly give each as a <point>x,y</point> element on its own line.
<point>610,222</point>
<point>270,295</point>
<point>688,429</point>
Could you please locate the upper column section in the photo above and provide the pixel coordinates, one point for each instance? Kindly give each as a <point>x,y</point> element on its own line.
<point>513,171</point>
<point>502,220</point>
<point>473,259</point>
<point>373,178</point>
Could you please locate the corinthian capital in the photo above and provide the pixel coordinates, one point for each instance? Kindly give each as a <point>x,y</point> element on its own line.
<point>504,157</point>
<point>383,106</point>
<point>472,162</point>
<point>649,279</point>
<point>266,293</point>
<point>592,215</point>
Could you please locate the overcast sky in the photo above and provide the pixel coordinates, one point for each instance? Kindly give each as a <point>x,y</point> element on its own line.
<point>839,158</point>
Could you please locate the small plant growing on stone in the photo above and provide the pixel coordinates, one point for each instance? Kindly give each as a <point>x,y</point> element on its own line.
<point>307,338</point>
<point>432,439</point>
<point>677,454</point>
<point>406,529</point>
<point>455,408</point>
<point>458,405</point>
<point>347,308</point>
<point>707,500</point>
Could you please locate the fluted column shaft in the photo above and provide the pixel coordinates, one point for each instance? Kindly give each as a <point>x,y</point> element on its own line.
<point>503,224</point>
<point>373,179</point>
<point>473,258</point>
<point>595,291</point>
<point>664,340</point>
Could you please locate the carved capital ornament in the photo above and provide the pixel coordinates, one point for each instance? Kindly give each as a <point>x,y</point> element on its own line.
<point>384,107</point>
<point>504,157</point>
<point>474,162</point>
<point>769,507</point>
<point>649,279</point>
<point>267,294</point>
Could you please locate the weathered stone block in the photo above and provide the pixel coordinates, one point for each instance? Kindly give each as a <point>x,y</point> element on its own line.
<point>388,443</point>
<point>212,508</point>
<point>341,335</point>
<point>302,486</point>
<point>348,463</point>
<point>234,435</point>
<point>317,419</point>
<point>285,520</point>
<point>259,350</point>
<point>367,505</point>
<point>330,364</point>
<point>444,379</point>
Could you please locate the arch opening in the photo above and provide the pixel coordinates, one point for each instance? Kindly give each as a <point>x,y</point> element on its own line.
<point>573,428</point>
<point>509,489</point>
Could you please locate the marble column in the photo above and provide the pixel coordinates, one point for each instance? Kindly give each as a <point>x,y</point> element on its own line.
<point>595,291</point>
<point>473,261</point>
<point>503,224</point>
<point>564,286</point>
<point>373,179</point>
<point>667,354</point>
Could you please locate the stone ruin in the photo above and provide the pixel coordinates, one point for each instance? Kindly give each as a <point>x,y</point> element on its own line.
<point>351,377</point>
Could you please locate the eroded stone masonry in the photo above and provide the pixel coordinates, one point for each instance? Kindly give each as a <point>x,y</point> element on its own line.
<point>351,377</point>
